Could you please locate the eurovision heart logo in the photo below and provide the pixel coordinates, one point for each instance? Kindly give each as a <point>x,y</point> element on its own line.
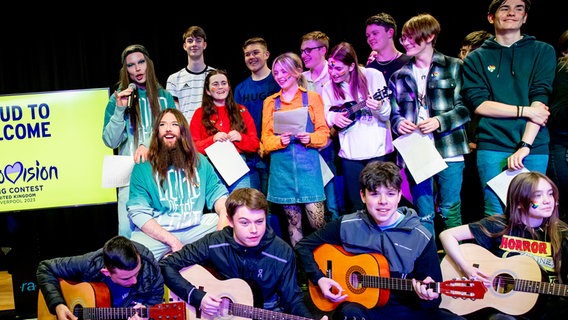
<point>13,172</point>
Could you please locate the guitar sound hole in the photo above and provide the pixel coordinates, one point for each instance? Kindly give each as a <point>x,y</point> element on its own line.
<point>225,307</point>
<point>503,283</point>
<point>354,281</point>
<point>78,312</point>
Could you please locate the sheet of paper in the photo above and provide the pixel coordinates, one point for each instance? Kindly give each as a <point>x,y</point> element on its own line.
<point>420,155</point>
<point>293,121</point>
<point>326,173</point>
<point>500,183</point>
<point>227,161</point>
<point>117,170</point>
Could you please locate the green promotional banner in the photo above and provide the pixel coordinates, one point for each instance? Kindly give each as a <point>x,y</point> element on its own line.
<point>51,150</point>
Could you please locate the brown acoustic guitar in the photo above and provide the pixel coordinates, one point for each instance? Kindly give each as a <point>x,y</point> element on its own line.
<point>515,282</point>
<point>92,301</point>
<point>366,279</point>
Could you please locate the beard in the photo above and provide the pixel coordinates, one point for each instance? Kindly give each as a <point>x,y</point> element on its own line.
<point>172,155</point>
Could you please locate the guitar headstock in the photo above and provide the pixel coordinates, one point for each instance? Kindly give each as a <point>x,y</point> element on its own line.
<point>382,93</point>
<point>465,289</point>
<point>170,310</point>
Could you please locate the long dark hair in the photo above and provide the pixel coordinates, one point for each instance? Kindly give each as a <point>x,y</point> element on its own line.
<point>186,144</point>
<point>519,197</point>
<point>209,113</point>
<point>153,87</point>
<point>345,53</point>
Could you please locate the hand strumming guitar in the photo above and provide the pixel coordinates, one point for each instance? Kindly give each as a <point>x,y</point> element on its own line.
<point>211,305</point>
<point>331,289</point>
<point>341,120</point>
<point>63,312</point>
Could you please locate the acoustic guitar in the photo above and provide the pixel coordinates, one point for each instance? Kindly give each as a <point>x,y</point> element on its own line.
<point>366,279</point>
<point>352,109</point>
<point>236,295</point>
<point>515,282</point>
<point>92,301</point>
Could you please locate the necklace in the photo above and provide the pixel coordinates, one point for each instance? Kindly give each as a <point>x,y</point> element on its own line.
<point>391,60</point>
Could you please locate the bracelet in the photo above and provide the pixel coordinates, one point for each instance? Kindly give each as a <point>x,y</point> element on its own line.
<point>522,109</point>
<point>523,144</point>
<point>518,109</point>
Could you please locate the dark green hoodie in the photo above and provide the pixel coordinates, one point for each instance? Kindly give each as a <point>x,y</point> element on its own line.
<point>515,75</point>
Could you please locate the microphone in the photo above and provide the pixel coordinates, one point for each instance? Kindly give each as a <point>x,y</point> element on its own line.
<point>132,95</point>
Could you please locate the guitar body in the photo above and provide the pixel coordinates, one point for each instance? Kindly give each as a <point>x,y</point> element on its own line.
<point>92,301</point>
<point>235,290</point>
<point>347,108</point>
<point>501,270</point>
<point>236,297</point>
<point>79,295</point>
<point>340,266</point>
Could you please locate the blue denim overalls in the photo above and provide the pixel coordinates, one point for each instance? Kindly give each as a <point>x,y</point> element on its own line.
<point>295,172</point>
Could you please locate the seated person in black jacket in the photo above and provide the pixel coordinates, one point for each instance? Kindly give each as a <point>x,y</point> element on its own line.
<point>128,269</point>
<point>245,249</point>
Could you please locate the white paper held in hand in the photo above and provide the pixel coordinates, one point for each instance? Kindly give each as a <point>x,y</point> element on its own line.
<point>227,160</point>
<point>420,155</point>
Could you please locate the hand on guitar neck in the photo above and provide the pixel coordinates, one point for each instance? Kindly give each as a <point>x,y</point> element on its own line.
<point>349,112</point>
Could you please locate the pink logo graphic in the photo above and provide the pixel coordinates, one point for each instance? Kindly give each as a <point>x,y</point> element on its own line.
<point>13,172</point>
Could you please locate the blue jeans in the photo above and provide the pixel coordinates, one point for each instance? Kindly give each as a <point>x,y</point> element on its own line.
<point>423,200</point>
<point>448,183</point>
<point>491,163</point>
<point>328,155</point>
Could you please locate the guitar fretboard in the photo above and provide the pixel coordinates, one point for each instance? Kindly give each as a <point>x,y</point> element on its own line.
<point>109,313</point>
<point>392,283</point>
<point>245,311</point>
<point>541,287</point>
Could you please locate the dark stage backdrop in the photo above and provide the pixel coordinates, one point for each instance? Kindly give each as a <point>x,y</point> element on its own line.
<point>80,48</point>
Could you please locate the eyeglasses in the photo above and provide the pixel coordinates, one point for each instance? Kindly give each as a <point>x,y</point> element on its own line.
<point>309,50</point>
<point>405,38</point>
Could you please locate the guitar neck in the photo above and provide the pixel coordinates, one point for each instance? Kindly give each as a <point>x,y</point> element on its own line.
<point>355,108</point>
<point>393,283</point>
<point>554,289</point>
<point>110,313</point>
<point>245,311</point>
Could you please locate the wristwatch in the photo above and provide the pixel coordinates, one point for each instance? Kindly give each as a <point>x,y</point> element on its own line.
<point>523,144</point>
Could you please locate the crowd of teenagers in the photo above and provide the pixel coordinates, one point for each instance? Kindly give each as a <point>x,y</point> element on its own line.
<point>500,104</point>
